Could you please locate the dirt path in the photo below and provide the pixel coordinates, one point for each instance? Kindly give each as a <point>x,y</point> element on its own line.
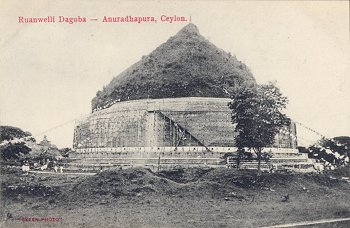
<point>48,172</point>
<point>306,223</point>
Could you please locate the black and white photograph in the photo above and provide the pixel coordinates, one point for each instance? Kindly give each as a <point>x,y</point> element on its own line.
<point>174,113</point>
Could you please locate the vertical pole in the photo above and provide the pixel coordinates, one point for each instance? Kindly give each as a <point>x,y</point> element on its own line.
<point>159,162</point>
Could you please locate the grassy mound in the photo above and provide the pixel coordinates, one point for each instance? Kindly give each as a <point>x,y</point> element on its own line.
<point>194,182</point>
<point>117,183</point>
<point>187,65</point>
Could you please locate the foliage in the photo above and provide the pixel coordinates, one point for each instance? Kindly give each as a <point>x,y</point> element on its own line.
<point>228,154</point>
<point>338,144</point>
<point>13,142</point>
<point>257,116</point>
<point>9,133</point>
<point>321,154</point>
<point>14,151</point>
<point>345,140</point>
<point>65,152</point>
<point>39,157</point>
<point>20,145</point>
<point>330,151</point>
<point>244,155</point>
<point>187,65</point>
<point>303,149</point>
<point>266,156</point>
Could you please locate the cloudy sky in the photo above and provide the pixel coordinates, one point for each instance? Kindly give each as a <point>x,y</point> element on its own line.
<point>50,72</point>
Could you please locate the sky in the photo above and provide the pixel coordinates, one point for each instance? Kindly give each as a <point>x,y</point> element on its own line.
<point>49,72</point>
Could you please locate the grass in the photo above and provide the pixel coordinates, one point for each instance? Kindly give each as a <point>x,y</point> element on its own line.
<point>188,198</point>
<point>187,65</point>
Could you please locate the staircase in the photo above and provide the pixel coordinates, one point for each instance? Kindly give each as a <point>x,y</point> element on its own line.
<point>283,161</point>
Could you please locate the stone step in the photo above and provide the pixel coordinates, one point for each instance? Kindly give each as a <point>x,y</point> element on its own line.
<point>289,155</point>
<point>291,166</point>
<point>153,167</point>
<point>288,160</point>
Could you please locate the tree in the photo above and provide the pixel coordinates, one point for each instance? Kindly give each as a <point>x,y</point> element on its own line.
<point>333,152</point>
<point>14,151</point>
<point>9,133</point>
<point>257,116</point>
<point>336,145</point>
<point>13,142</point>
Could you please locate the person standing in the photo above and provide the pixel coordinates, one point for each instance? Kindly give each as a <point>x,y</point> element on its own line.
<point>25,167</point>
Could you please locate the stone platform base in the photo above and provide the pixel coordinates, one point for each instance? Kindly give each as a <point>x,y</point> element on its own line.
<point>181,157</point>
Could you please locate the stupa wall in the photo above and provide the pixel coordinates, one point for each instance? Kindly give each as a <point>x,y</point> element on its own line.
<point>170,122</point>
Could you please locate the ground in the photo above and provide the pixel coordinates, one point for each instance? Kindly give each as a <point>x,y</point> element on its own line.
<point>181,198</point>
